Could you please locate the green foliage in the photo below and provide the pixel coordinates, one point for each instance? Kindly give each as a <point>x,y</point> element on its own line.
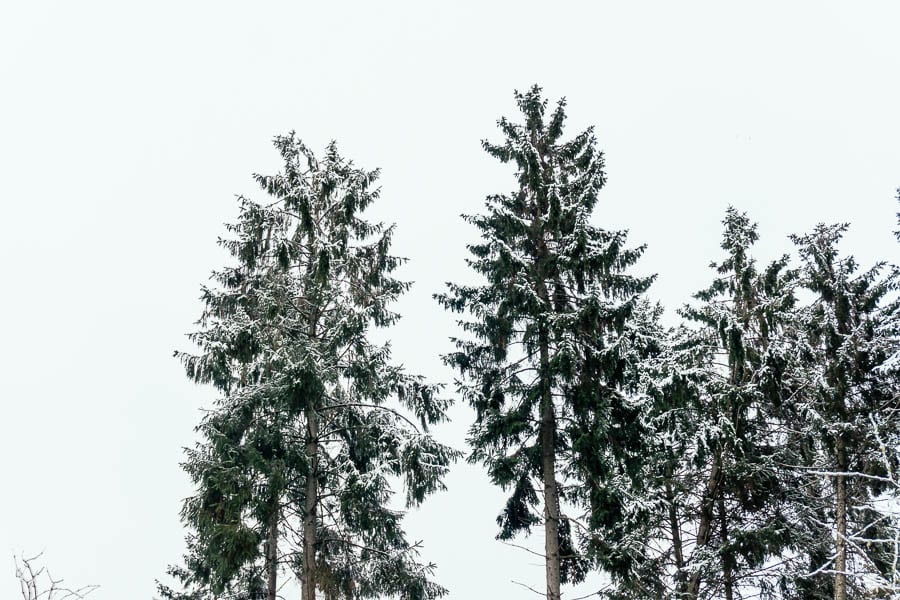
<point>848,414</point>
<point>715,500</point>
<point>696,462</point>
<point>283,337</point>
<point>553,325</point>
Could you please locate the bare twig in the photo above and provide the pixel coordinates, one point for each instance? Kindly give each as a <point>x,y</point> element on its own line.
<point>528,587</point>
<point>36,583</point>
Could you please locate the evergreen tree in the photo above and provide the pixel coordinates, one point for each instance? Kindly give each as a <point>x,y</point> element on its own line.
<point>851,410</point>
<point>297,457</point>
<point>545,365</point>
<point>740,475</point>
<point>674,375</point>
<point>648,538</point>
<point>728,376</point>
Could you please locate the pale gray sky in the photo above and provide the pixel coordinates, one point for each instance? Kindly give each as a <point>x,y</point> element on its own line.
<point>126,128</point>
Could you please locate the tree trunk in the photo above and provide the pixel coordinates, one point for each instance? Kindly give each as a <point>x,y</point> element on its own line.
<point>309,573</point>
<point>840,560</point>
<point>551,493</point>
<point>309,514</point>
<point>704,529</point>
<point>548,422</point>
<point>272,554</point>
<point>727,558</point>
<point>675,527</point>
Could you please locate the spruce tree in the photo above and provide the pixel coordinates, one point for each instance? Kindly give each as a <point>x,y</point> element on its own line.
<point>673,374</point>
<point>649,543</point>
<point>737,363</point>
<point>543,362</point>
<point>852,410</point>
<point>297,458</point>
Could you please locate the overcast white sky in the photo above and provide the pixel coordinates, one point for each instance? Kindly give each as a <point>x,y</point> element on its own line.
<point>126,128</point>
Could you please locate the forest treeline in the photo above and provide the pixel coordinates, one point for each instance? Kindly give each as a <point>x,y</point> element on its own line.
<point>750,452</point>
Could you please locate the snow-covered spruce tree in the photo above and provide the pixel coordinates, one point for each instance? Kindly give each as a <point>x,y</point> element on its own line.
<point>674,373</point>
<point>649,550</point>
<point>543,364</point>
<point>852,409</point>
<point>297,457</point>
<point>739,515</point>
<point>713,513</point>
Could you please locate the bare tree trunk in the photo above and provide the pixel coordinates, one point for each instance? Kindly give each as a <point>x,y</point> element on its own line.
<point>272,553</point>
<point>840,560</point>
<point>309,514</point>
<point>551,493</point>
